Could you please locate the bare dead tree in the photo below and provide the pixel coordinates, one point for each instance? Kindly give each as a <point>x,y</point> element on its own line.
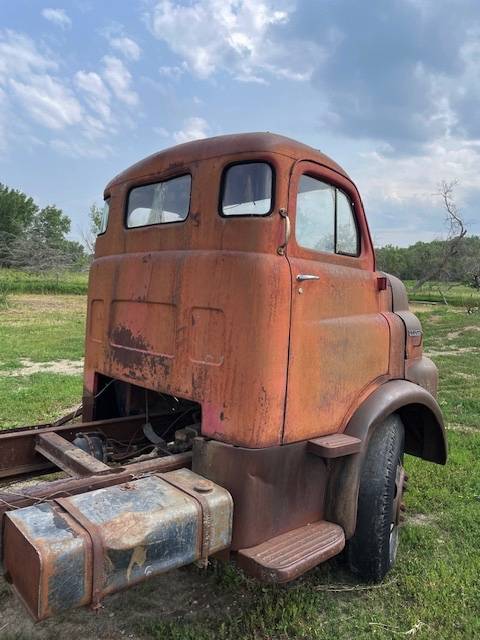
<point>456,232</point>
<point>26,253</point>
<point>89,236</point>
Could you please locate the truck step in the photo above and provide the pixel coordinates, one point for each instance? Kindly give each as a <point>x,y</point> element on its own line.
<point>291,554</point>
<point>334,445</point>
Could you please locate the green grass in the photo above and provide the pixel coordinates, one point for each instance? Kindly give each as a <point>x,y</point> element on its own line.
<point>433,592</point>
<point>64,282</point>
<point>39,329</point>
<point>458,295</point>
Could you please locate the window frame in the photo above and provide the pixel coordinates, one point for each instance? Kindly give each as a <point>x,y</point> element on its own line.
<point>148,184</point>
<point>225,171</point>
<point>105,200</point>
<point>352,210</point>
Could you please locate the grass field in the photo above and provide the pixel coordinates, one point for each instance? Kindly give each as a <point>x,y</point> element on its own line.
<point>70,283</point>
<point>454,294</point>
<point>64,282</point>
<point>434,591</point>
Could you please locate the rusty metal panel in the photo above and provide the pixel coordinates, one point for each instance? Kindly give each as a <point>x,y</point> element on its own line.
<point>83,547</point>
<point>274,490</point>
<point>339,339</point>
<point>291,554</point>
<point>225,338</point>
<point>219,502</point>
<point>47,559</point>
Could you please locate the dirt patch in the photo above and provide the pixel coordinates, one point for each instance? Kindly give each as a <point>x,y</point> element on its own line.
<point>420,519</point>
<point>461,428</point>
<point>184,595</point>
<point>28,368</point>
<point>22,308</point>
<point>465,376</point>
<point>416,307</point>
<point>456,334</point>
<point>453,352</point>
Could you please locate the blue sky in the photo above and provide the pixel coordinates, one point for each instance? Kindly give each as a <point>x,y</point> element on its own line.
<point>388,88</point>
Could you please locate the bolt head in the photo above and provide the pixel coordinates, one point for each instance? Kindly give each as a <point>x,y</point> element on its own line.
<point>203,486</point>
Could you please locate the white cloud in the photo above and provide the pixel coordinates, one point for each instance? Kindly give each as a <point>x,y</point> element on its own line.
<point>232,36</point>
<point>126,46</point>
<point>19,55</point>
<point>401,193</point>
<point>119,78</point>
<point>172,73</point>
<point>193,129</point>
<point>58,17</point>
<point>161,131</point>
<point>48,101</point>
<point>96,93</point>
<point>403,179</point>
<point>33,93</point>
<point>80,148</point>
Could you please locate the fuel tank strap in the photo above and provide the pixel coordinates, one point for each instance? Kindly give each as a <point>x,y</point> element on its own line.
<point>98,571</point>
<point>199,494</point>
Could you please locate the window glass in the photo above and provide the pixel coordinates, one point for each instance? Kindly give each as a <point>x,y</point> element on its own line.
<point>159,203</point>
<point>347,237</point>
<point>104,218</point>
<point>315,222</point>
<point>247,190</point>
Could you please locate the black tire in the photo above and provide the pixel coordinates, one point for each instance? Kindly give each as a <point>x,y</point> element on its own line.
<point>372,550</point>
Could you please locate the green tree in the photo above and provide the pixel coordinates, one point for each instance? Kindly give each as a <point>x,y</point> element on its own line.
<point>17,212</point>
<point>50,226</point>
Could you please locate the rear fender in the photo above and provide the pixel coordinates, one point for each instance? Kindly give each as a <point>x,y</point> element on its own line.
<point>424,437</point>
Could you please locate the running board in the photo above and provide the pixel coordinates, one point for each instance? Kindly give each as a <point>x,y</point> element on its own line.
<point>291,554</point>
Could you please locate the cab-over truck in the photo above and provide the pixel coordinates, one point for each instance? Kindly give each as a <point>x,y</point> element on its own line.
<point>251,385</point>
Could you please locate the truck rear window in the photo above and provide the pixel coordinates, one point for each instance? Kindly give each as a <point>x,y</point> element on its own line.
<point>159,203</point>
<point>247,189</point>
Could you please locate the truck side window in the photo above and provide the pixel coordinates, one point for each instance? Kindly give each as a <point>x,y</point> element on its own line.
<point>325,220</point>
<point>315,226</point>
<point>159,203</point>
<point>247,189</point>
<point>102,227</point>
<point>347,235</point>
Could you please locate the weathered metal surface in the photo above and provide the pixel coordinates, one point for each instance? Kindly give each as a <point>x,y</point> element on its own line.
<point>217,516</point>
<point>17,498</point>
<point>67,456</point>
<point>339,339</point>
<point>274,489</point>
<point>85,547</point>
<point>334,446</point>
<point>201,309</point>
<point>18,455</point>
<point>291,554</point>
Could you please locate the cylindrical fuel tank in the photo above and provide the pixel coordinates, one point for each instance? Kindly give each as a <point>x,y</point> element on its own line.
<point>73,551</point>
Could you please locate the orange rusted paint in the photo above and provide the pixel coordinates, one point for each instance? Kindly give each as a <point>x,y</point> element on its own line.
<point>208,310</point>
<point>283,360</point>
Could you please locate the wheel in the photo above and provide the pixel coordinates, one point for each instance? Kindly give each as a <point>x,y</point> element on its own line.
<point>372,550</point>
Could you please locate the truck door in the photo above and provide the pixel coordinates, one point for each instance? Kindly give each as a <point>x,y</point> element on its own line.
<point>339,340</point>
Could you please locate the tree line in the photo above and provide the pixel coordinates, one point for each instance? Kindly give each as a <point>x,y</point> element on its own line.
<point>35,238</point>
<point>412,263</point>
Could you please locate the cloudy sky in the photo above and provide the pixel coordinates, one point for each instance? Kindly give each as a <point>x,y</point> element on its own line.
<point>388,88</point>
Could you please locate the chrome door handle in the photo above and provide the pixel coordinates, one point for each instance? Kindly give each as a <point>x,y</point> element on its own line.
<point>306,276</point>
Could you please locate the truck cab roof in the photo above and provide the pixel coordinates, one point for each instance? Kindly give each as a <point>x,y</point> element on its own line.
<point>198,150</point>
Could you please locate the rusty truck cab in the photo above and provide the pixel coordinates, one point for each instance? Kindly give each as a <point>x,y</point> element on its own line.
<point>238,273</point>
<point>236,325</point>
<point>204,303</point>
